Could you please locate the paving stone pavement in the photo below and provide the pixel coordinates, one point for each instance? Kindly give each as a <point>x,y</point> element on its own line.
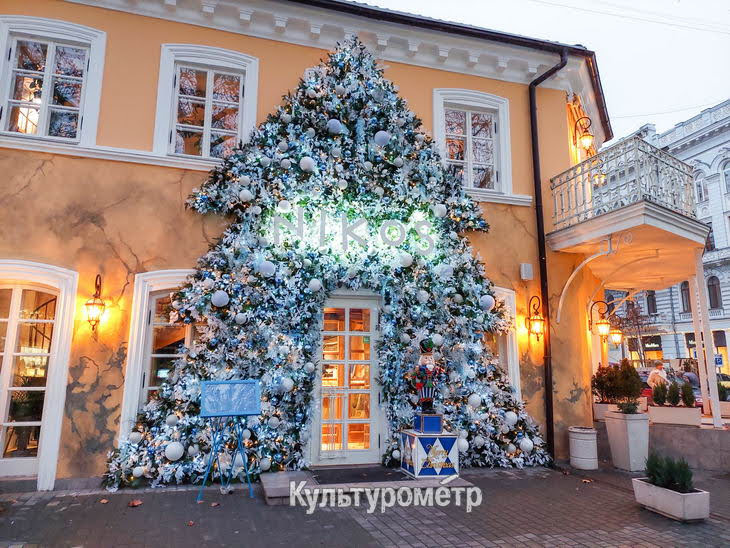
<point>536,507</point>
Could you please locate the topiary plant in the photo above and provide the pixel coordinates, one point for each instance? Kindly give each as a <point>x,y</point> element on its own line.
<point>659,393</point>
<point>688,396</point>
<point>673,394</point>
<point>604,384</point>
<point>722,392</point>
<point>628,388</point>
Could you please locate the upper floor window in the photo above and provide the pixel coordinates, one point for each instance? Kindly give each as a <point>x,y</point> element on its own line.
<point>206,100</point>
<point>701,188</point>
<point>710,242</point>
<point>684,293</point>
<point>713,292</point>
<point>726,176</point>
<point>472,131</point>
<point>51,78</point>
<point>651,307</point>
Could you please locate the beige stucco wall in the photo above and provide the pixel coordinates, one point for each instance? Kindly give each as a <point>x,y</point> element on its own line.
<point>119,219</point>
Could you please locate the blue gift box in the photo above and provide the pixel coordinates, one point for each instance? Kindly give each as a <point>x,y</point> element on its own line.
<point>428,423</point>
<point>429,455</point>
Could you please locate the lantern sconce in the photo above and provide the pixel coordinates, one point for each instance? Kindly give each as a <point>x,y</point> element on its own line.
<point>95,306</point>
<point>615,336</point>
<point>535,323</point>
<point>583,135</point>
<point>602,325</point>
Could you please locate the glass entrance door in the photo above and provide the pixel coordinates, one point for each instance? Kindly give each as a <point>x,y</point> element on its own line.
<point>348,396</point>
<point>27,318</point>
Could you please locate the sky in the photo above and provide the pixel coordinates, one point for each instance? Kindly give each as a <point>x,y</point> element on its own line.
<point>661,61</point>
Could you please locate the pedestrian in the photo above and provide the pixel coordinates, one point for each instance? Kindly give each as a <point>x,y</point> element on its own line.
<point>657,375</point>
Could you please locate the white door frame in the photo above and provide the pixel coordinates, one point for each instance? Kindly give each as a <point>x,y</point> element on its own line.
<point>379,430</point>
<point>65,282</point>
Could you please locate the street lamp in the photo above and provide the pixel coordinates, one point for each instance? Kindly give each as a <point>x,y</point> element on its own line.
<point>602,325</point>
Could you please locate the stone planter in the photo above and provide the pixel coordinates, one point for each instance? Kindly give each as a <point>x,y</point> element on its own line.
<point>583,448</point>
<point>725,409</point>
<point>628,436</point>
<point>600,410</point>
<point>688,416</point>
<point>692,506</point>
<point>643,404</point>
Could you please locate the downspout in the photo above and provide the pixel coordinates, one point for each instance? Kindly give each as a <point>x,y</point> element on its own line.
<point>542,252</point>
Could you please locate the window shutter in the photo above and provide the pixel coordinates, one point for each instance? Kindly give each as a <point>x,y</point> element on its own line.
<point>149,316</point>
<point>10,50</point>
<point>496,128</point>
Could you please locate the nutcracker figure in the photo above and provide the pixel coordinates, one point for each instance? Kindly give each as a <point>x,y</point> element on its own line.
<point>424,376</point>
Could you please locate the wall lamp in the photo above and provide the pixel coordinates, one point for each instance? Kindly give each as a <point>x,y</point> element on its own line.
<point>582,132</point>
<point>602,325</point>
<point>615,336</point>
<point>535,323</point>
<point>95,306</point>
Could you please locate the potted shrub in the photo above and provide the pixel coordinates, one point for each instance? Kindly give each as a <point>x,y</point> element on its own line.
<point>723,394</point>
<point>627,428</point>
<point>667,489</point>
<point>666,408</point>
<point>603,386</point>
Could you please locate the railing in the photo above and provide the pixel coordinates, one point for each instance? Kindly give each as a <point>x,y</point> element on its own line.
<point>716,255</point>
<point>627,173</point>
<point>716,312</point>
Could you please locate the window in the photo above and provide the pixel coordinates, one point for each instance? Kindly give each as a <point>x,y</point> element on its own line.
<point>684,293</point>
<point>726,176</point>
<point>51,78</point>
<point>472,131</point>
<point>651,302</point>
<point>710,242</point>
<point>713,292</point>
<point>206,101</point>
<point>504,347</point>
<point>701,188</point>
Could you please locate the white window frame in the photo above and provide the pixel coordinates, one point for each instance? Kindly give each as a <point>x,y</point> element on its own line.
<point>509,355</point>
<point>479,100</point>
<point>146,285</point>
<point>725,171</point>
<point>64,282</point>
<point>209,58</point>
<point>42,29</point>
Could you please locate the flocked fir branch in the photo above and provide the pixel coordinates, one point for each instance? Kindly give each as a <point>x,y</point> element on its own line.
<point>343,144</point>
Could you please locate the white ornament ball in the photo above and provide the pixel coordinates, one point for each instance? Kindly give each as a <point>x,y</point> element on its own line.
<point>405,338</point>
<point>315,285</point>
<point>379,190</point>
<point>208,283</point>
<point>336,152</point>
<point>474,400</point>
<point>487,302</point>
<point>368,165</point>
<point>284,206</point>
<point>458,298</point>
<point>246,434</point>
<point>307,164</point>
<point>437,339</point>
<point>256,210</point>
<point>471,373</point>
<point>174,451</point>
<point>193,450</point>
<point>138,471</point>
<point>245,195</point>
<point>283,146</point>
<point>334,126</point>
<point>342,184</point>
<point>340,89</point>
<point>381,138</point>
<point>286,118</point>
<point>135,437</point>
<point>420,137</point>
<point>267,268</point>
<point>454,377</point>
<point>351,273</point>
<point>265,161</point>
<point>422,296</point>
<point>311,132</point>
<point>176,305</point>
<point>265,464</point>
<point>463,445</point>
<point>511,448</point>
<point>479,441</point>
<point>220,298</point>
<point>285,163</point>
<point>244,180</point>
<point>172,420</point>
<point>311,93</point>
<point>287,384</point>
<point>405,260</point>
<point>446,272</point>
<point>309,367</point>
<point>526,445</point>
<point>439,210</point>
<point>238,461</point>
<point>463,434</point>
<point>398,162</point>
<point>240,318</point>
<point>396,454</point>
<point>510,418</point>
<point>274,422</point>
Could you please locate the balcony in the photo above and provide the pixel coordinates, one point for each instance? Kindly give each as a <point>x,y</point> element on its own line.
<point>630,210</point>
<point>716,256</point>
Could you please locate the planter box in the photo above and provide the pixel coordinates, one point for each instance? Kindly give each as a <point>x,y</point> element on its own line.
<point>643,404</point>
<point>725,409</point>
<point>600,410</point>
<point>628,436</point>
<point>688,416</point>
<point>693,506</point>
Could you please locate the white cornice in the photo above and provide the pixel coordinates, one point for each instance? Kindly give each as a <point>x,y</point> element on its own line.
<point>321,28</point>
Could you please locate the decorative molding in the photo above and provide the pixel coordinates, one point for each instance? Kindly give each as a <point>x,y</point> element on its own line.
<point>207,56</point>
<point>64,31</point>
<point>49,146</point>
<point>483,195</point>
<point>481,100</point>
<point>145,284</point>
<point>65,282</point>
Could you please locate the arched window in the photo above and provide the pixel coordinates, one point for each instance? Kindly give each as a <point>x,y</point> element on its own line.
<point>701,187</point>
<point>651,302</point>
<point>684,292</point>
<point>726,176</point>
<point>713,292</point>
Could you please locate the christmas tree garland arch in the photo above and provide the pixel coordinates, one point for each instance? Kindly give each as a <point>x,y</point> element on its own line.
<point>343,150</point>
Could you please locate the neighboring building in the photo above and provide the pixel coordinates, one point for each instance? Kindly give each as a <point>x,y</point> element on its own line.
<point>114,110</point>
<point>703,142</point>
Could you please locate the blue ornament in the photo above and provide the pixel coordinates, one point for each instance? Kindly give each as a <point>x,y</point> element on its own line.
<point>278,457</point>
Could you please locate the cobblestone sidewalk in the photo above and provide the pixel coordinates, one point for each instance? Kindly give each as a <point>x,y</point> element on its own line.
<point>537,507</point>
